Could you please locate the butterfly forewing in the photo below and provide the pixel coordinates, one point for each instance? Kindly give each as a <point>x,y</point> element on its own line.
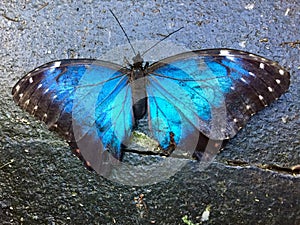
<point>82,100</point>
<point>215,90</point>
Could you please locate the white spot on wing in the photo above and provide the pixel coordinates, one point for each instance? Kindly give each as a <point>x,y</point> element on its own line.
<point>54,66</point>
<point>224,53</point>
<point>17,88</point>
<point>262,66</point>
<point>227,54</point>
<point>252,74</point>
<point>39,86</point>
<point>235,120</point>
<point>262,59</point>
<point>21,95</point>
<point>243,80</point>
<point>261,97</point>
<point>46,91</point>
<point>248,107</point>
<point>278,81</point>
<point>27,102</point>
<point>30,80</point>
<point>270,89</point>
<point>281,72</point>
<point>57,64</point>
<point>55,96</point>
<point>35,107</point>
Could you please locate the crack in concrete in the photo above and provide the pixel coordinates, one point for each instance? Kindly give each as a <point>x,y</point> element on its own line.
<point>283,170</point>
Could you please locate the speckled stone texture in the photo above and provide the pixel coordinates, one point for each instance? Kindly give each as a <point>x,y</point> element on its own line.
<point>46,184</point>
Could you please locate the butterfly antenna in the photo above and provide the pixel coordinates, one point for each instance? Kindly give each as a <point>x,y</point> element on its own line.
<point>153,46</point>
<point>123,31</point>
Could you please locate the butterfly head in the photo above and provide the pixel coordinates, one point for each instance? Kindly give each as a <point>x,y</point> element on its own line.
<point>137,61</point>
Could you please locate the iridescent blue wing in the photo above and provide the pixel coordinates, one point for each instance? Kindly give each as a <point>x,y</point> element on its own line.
<point>87,101</point>
<point>209,93</point>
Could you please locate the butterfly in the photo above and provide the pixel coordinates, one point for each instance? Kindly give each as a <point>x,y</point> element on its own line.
<point>188,99</point>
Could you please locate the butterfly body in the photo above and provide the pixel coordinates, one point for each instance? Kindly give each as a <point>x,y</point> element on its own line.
<point>189,98</point>
<point>138,84</point>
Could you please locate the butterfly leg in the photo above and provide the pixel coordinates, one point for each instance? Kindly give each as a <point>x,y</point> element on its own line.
<point>172,145</point>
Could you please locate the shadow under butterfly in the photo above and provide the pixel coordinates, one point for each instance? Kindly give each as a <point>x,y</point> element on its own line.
<point>192,101</point>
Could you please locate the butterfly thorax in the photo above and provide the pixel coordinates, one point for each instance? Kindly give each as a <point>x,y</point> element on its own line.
<point>138,67</point>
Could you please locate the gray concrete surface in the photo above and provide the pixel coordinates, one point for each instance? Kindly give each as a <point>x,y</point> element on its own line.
<point>46,184</point>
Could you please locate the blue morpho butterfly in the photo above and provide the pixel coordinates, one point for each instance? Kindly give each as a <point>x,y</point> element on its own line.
<point>190,99</point>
